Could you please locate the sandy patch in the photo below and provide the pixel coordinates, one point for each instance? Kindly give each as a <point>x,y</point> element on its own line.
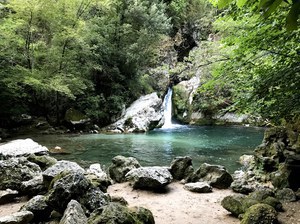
<point>178,206</point>
<point>13,207</point>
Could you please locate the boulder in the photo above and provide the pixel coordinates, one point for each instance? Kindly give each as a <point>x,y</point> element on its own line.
<point>149,178</point>
<point>74,214</point>
<point>38,206</point>
<point>7,196</point>
<point>198,187</point>
<point>215,175</point>
<point>260,213</point>
<point>59,167</point>
<point>93,198</point>
<point>115,213</point>
<point>16,172</point>
<point>43,161</point>
<point>98,177</point>
<point>121,166</point>
<point>181,167</point>
<point>143,115</point>
<point>65,187</point>
<point>286,194</point>
<point>21,147</point>
<point>234,204</point>
<point>23,217</point>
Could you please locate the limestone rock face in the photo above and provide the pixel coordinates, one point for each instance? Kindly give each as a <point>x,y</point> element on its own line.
<point>73,214</point>
<point>115,213</point>
<point>19,174</point>
<point>121,166</point>
<point>22,147</point>
<point>143,115</point>
<point>215,175</point>
<point>38,206</point>
<point>260,213</point>
<point>23,217</point>
<point>181,167</point>
<point>149,178</point>
<point>199,187</point>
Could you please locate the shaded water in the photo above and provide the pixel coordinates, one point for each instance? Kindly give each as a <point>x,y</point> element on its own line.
<point>216,145</point>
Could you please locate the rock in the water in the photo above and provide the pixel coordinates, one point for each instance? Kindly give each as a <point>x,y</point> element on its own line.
<point>69,186</point>
<point>215,175</point>
<point>93,198</point>
<point>15,172</point>
<point>121,166</point>
<point>38,206</point>
<point>181,167</point>
<point>199,187</point>
<point>234,204</point>
<point>59,167</point>
<point>74,214</point>
<point>23,217</point>
<point>149,178</point>
<point>143,115</point>
<point>98,177</point>
<point>260,213</point>
<point>115,213</point>
<point>22,147</point>
<point>286,194</point>
<point>7,196</point>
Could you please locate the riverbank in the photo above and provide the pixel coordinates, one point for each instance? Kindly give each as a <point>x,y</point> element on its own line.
<point>179,206</point>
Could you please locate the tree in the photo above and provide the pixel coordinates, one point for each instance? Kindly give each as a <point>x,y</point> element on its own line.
<point>262,71</point>
<point>268,7</point>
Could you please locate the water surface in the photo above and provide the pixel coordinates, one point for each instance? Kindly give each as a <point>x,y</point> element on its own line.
<point>216,145</point>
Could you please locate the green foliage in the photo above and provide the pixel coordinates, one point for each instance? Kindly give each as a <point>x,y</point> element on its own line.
<point>268,7</point>
<point>262,70</point>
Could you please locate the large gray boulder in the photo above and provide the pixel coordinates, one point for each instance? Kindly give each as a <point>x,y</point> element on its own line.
<point>20,174</point>
<point>149,178</point>
<point>181,167</point>
<point>61,166</point>
<point>93,198</point>
<point>115,213</point>
<point>23,217</point>
<point>21,147</point>
<point>217,176</point>
<point>121,166</point>
<point>67,186</point>
<point>74,214</point>
<point>38,206</point>
<point>143,115</point>
<point>198,187</point>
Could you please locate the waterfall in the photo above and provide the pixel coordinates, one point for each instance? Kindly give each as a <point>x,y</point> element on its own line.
<point>168,109</point>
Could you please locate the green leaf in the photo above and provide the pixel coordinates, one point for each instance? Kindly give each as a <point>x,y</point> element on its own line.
<point>223,3</point>
<point>272,8</point>
<point>292,17</point>
<point>241,3</point>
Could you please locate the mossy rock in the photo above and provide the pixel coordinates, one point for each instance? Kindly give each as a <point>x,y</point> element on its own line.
<point>234,204</point>
<point>115,213</point>
<point>275,203</point>
<point>260,213</point>
<point>44,161</point>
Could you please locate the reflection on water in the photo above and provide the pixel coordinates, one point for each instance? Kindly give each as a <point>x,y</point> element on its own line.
<point>217,145</point>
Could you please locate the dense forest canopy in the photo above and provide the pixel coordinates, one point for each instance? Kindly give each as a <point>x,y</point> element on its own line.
<point>97,55</point>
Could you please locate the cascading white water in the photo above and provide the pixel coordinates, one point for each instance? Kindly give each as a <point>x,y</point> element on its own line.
<point>168,109</point>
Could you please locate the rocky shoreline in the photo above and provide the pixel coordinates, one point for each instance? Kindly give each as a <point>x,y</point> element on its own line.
<point>63,192</point>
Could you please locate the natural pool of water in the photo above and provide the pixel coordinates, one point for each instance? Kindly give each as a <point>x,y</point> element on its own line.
<point>215,145</point>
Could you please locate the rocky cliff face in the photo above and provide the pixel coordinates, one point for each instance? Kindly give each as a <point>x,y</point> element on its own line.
<point>143,115</point>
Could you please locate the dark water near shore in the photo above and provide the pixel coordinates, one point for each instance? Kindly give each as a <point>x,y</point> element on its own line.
<point>216,145</point>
